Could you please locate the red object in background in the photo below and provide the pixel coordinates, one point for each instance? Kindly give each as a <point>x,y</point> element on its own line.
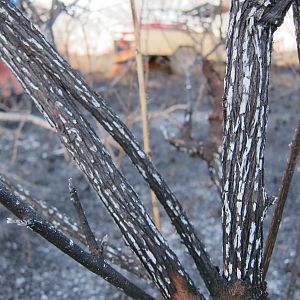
<point>8,82</point>
<point>177,26</point>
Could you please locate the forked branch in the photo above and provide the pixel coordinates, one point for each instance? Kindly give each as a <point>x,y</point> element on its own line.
<point>84,224</point>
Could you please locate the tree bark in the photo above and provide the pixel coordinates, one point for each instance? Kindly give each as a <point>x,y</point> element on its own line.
<point>249,47</point>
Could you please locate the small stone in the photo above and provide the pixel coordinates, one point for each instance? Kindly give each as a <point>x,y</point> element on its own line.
<point>44,297</point>
<point>19,282</point>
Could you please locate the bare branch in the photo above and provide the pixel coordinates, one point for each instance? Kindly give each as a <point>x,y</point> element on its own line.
<point>93,263</point>
<point>282,197</point>
<point>276,12</point>
<point>207,149</point>
<point>296,14</point>
<point>245,105</point>
<point>24,117</point>
<point>86,229</point>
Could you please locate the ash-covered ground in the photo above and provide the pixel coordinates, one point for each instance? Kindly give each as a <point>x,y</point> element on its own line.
<point>31,268</point>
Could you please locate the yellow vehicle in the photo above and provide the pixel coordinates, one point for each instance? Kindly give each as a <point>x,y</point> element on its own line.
<point>173,41</point>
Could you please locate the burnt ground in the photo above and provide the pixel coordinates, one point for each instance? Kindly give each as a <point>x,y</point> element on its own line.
<point>31,268</point>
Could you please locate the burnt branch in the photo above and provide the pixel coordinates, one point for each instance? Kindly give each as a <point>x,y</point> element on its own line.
<point>55,89</point>
<point>86,229</point>
<point>71,229</point>
<point>275,12</point>
<point>282,197</point>
<point>93,263</point>
<point>24,117</point>
<point>118,130</point>
<point>245,102</point>
<point>296,14</point>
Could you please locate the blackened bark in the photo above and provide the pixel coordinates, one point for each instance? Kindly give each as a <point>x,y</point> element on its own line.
<point>55,88</point>
<point>296,14</point>
<point>118,130</point>
<point>275,12</point>
<point>249,47</point>
<point>71,229</point>
<point>95,264</point>
<point>245,116</point>
<point>84,224</point>
<point>58,91</point>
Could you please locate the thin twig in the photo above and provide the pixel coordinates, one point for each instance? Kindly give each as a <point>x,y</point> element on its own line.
<point>16,143</point>
<point>84,224</point>
<point>21,117</point>
<point>296,15</point>
<point>7,131</point>
<point>283,193</point>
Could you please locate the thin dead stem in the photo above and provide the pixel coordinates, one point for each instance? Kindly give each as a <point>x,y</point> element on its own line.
<point>24,117</point>
<point>282,197</point>
<point>143,103</point>
<point>84,224</point>
<point>16,143</point>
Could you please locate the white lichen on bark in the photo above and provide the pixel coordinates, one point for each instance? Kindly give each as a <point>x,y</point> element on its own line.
<point>245,118</point>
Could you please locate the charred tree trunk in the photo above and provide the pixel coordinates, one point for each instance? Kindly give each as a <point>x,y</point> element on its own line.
<point>245,202</point>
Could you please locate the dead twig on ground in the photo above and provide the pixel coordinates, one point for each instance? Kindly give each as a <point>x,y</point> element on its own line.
<point>23,117</point>
<point>16,143</point>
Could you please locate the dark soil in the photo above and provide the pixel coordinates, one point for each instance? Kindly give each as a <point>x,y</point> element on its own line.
<point>31,268</point>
